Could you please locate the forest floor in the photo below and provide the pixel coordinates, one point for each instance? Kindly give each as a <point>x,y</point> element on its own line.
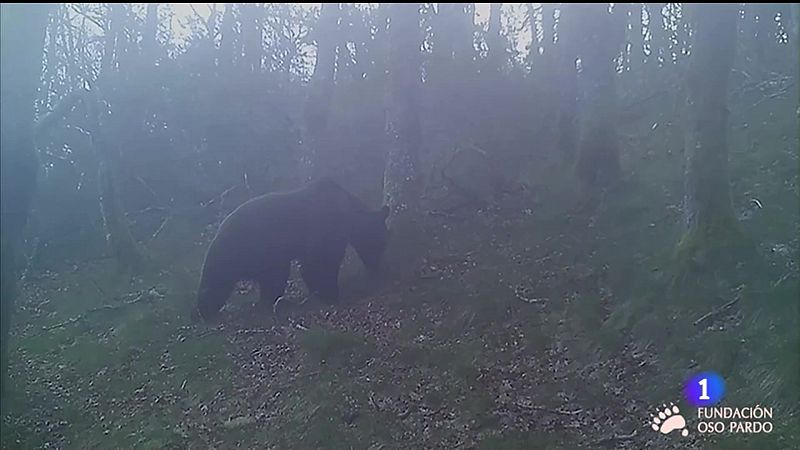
<point>516,332</point>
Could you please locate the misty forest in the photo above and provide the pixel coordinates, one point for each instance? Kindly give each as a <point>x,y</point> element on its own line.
<point>587,204</point>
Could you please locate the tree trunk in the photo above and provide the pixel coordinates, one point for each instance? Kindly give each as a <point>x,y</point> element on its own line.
<point>712,230</point>
<point>794,20</point>
<point>659,42</point>
<point>495,39</point>
<point>401,177</point>
<point>456,27</point>
<point>250,15</point>
<point>708,195</point>
<point>535,26</point>
<point>21,44</point>
<point>150,33</point>
<point>320,92</point>
<point>107,132</point>
<point>453,53</point>
<point>226,55</point>
<point>598,148</point>
<point>118,235</point>
<point>548,27</point>
<point>564,77</point>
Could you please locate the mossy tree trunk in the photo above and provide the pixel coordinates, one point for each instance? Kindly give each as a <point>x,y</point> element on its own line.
<point>401,177</point>
<point>21,44</point>
<point>712,231</point>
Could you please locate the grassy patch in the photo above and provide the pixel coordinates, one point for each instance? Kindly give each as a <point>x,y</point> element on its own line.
<point>329,346</point>
<point>526,441</point>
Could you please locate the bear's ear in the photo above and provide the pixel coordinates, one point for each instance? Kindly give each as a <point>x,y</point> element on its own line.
<point>384,212</point>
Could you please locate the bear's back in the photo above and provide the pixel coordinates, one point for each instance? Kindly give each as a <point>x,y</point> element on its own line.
<point>288,218</point>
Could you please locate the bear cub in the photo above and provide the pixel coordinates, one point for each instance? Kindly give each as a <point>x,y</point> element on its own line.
<point>313,225</point>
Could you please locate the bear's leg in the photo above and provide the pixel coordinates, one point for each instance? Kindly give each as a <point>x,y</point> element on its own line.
<point>272,284</point>
<point>322,281</point>
<point>213,294</point>
<point>320,272</point>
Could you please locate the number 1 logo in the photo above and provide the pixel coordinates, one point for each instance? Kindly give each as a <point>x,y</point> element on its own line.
<point>704,389</point>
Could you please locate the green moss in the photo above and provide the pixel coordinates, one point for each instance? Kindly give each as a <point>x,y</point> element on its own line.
<point>708,250</point>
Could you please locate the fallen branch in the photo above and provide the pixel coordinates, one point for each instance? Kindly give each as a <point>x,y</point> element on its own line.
<point>780,93</point>
<point>717,311</point>
<point>144,210</point>
<point>142,295</point>
<point>160,228</point>
<point>530,301</point>
<point>256,331</point>
<point>146,186</point>
<point>615,438</point>
<point>557,411</point>
<point>221,197</point>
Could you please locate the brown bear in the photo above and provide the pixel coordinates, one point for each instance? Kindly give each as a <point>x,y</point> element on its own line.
<point>313,225</point>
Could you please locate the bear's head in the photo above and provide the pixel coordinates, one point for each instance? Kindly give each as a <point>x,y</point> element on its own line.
<point>369,237</point>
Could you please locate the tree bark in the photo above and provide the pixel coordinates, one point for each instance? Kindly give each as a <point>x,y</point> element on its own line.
<point>320,92</point>
<point>401,177</point>
<point>150,33</point>
<point>598,147</point>
<point>21,44</point>
<point>495,39</point>
<point>712,241</point>
<point>250,15</point>
<point>562,74</point>
<point>708,197</point>
<point>108,130</point>
<point>659,42</point>
<point>455,29</point>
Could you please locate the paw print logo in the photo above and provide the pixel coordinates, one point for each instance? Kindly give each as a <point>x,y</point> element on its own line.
<point>669,419</point>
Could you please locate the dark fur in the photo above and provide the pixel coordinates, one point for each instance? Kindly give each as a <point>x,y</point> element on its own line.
<point>259,240</point>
